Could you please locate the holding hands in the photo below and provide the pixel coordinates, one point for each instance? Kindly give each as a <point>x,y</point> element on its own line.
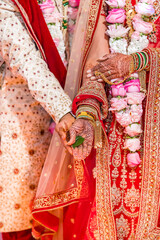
<point>80,127</point>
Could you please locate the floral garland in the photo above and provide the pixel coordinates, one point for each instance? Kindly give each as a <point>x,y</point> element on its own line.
<point>72,15</point>
<point>126,101</point>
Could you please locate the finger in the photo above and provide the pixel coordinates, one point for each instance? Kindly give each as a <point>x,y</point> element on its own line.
<point>103,68</point>
<point>79,152</point>
<point>85,150</point>
<point>89,75</point>
<point>94,78</point>
<point>100,80</point>
<point>72,136</point>
<point>89,71</point>
<point>110,73</point>
<point>113,76</point>
<point>75,152</point>
<point>69,149</point>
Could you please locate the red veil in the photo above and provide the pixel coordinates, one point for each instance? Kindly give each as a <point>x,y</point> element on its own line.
<point>38,29</point>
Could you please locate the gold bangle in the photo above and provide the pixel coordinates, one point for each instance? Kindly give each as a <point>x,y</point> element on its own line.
<point>85,115</point>
<point>109,82</point>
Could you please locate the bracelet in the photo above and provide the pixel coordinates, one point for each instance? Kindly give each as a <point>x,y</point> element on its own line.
<point>141,60</point>
<point>85,115</point>
<point>131,66</point>
<point>91,112</point>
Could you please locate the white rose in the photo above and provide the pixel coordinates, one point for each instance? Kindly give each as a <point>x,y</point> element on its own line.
<point>133,144</point>
<point>118,46</point>
<point>116,3</point>
<point>116,31</point>
<point>144,9</point>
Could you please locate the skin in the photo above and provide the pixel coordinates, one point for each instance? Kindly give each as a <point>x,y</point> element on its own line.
<point>112,66</point>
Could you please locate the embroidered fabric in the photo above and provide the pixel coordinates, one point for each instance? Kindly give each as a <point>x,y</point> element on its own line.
<point>27,84</point>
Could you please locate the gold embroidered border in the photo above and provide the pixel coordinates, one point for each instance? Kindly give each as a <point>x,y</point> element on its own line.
<point>149,206</point>
<point>64,198</point>
<point>94,12</point>
<point>105,218</point>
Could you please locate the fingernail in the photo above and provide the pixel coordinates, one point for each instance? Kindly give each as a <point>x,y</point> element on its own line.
<point>89,75</point>
<point>89,71</point>
<point>100,80</point>
<point>93,78</point>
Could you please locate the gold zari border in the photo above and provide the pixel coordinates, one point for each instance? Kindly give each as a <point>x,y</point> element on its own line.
<point>149,207</point>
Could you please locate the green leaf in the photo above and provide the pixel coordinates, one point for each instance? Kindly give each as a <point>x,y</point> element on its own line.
<point>78,142</point>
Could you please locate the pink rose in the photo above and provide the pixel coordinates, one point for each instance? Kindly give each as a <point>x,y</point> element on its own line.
<point>132,86</point>
<point>117,31</point>
<point>140,26</point>
<point>116,3</point>
<point>136,113</point>
<point>124,118</point>
<point>72,13</point>
<point>52,127</point>
<point>133,129</point>
<point>74,3</point>
<point>118,104</point>
<point>135,97</point>
<point>136,35</point>
<point>144,9</point>
<point>132,144</point>
<point>118,90</point>
<point>133,159</point>
<point>47,7</point>
<point>116,16</point>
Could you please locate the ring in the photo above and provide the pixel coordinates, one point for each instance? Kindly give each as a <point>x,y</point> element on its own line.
<point>109,72</point>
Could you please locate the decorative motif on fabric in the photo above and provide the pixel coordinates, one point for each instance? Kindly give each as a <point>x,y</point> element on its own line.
<point>132,198</point>
<point>123,227</point>
<point>149,205</point>
<point>62,198</point>
<point>116,195</point>
<point>105,219</point>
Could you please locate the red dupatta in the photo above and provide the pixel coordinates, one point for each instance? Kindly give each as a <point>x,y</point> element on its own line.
<point>38,29</point>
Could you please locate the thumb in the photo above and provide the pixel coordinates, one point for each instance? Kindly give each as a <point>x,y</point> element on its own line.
<point>72,140</point>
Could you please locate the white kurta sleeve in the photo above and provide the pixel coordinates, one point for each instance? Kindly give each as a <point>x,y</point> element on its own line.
<point>22,57</point>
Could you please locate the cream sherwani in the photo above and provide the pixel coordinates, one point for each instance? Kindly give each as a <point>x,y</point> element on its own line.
<point>29,95</point>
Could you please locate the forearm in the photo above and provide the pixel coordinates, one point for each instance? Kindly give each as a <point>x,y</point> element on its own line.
<point>24,60</point>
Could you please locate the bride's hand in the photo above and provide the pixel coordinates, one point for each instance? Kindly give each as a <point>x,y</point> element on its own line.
<point>83,128</point>
<point>115,65</point>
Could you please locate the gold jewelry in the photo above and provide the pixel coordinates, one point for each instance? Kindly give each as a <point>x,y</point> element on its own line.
<point>107,81</point>
<point>109,72</point>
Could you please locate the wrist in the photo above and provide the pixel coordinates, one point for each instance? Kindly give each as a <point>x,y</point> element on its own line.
<point>87,112</point>
<point>140,61</point>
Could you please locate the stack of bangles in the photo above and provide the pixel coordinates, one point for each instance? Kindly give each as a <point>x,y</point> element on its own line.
<point>86,112</point>
<point>141,61</point>
<point>85,115</point>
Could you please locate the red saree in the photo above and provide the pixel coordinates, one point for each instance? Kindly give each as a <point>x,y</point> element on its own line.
<point>120,203</point>
<point>38,29</point>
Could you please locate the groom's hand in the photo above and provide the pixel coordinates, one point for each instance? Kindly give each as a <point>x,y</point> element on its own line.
<point>83,128</point>
<point>63,127</point>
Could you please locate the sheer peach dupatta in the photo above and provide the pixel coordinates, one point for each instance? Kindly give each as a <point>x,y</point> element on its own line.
<point>61,181</point>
